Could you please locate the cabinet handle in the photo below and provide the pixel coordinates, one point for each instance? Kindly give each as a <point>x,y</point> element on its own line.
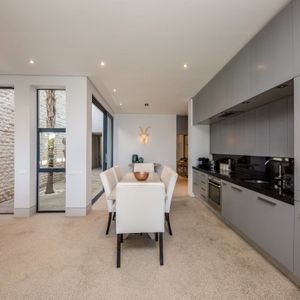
<point>203,189</point>
<point>266,201</point>
<point>203,182</point>
<point>237,189</point>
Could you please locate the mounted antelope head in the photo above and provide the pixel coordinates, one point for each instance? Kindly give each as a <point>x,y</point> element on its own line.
<point>144,135</point>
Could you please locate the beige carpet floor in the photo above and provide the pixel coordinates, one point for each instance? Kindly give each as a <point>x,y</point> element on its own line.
<point>50,256</point>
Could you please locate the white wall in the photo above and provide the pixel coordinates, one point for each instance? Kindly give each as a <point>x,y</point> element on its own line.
<point>97,119</point>
<point>199,144</point>
<point>162,142</point>
<point>79,91</point>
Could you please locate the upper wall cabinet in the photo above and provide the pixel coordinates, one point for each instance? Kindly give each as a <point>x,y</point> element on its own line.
<point>271,54</point>
<point>296,21</point>
<point>265,62</point>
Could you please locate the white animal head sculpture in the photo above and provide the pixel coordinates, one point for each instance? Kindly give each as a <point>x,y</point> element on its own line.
<point>144,135</point>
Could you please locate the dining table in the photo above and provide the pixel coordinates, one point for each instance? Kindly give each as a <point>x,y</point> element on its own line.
<point>129,177</point>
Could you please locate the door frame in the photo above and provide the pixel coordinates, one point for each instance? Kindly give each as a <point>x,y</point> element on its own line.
<point>106,115</point>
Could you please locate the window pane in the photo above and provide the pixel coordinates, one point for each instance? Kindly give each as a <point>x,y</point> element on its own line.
<point>52,108</point>
<point>52,149</point>
<point>52,187</point>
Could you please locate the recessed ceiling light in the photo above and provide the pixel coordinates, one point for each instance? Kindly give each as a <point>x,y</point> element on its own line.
<point>146,104</point>
<point>185,66</point>
<point>114,90</point>
<point>31,62</point>
<point>102,63</point>
<point>121,104</point>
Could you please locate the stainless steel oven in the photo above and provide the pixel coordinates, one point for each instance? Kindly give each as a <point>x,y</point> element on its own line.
<point>214,193</point>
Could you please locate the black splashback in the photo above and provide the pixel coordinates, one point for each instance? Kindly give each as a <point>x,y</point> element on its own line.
<point>254,165</point>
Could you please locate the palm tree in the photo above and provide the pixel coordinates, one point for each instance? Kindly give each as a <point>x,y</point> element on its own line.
<point>50,107</point>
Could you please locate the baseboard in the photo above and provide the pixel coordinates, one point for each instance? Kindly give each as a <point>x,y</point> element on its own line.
<point>77,211</point>
<point>24,212</point>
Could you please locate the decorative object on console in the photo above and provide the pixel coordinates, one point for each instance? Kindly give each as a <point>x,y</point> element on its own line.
<point>144,135</point>
<point>140,160</point>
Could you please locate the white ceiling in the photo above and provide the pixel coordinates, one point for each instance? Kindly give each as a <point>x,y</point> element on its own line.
<point>144,44</point>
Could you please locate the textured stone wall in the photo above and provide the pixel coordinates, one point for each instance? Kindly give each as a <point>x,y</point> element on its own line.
<point>6,144</point>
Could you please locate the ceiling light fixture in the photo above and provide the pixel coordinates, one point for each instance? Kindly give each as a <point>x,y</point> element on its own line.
<point>31,62</point>
<point>114,90</point>
<point>102,64</point>
<point>185,66</point>
<point>146,104</point>
<point>121,104</point>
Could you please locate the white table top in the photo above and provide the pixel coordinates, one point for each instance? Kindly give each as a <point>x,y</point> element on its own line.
<point>129,177</point>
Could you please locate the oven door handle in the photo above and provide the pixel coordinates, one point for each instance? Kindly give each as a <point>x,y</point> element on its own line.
<point>216,185</point>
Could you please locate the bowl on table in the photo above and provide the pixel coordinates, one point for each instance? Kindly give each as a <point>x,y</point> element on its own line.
<point>141,176</point>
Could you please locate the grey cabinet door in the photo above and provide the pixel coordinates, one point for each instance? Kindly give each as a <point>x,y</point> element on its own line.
<point>250,132</point>
<point>296,27</point>
<point>297,240</point>
<point>234,205</point>
<point>214,138</point>
<point>238,138</point>
<point>241,76</point>
<point>196,183</point>
<point>290,117</point>
<point>271,53</point>
<point>262,131</point>
<point>226,200</point>
<point>278,128</point>
<point>270,226</point>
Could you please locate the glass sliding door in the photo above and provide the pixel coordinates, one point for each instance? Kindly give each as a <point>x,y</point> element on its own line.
<point>51,150</point>
<point>102,146</point>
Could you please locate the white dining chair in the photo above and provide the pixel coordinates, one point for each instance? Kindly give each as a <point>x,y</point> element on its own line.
<point>169,178</point>
<point>117,173</point>
<point>143,167</point>
<point>140,208</point>
<point>164,173</point>
<point>109,183</point>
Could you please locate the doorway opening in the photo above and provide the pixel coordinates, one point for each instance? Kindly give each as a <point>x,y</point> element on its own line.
<point>7,144</point>
<point>182,146</point>
<point>102,146</point>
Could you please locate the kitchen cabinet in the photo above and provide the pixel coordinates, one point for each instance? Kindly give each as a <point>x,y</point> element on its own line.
<point>238,136</point>
<point>234,205</point>
<point>196,183</point>
<point>265,62</point>
<point>250,132</point>
<point>240,77</point>
<point>196,110</point>
<point>296,36</point>
<point>215,138</point>
<point>203,186</point>
<point>297,240</point>
<point>278,111</point>
<point>290,116</point>
<point>271,53</point>
<point>262,131</point>
<point>270,226</point>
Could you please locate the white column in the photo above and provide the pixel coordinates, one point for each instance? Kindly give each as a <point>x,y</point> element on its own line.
<point>25,150</point>
<point>77,148</point>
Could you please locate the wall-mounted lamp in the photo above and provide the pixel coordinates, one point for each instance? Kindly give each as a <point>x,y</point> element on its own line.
<point>144,135</point>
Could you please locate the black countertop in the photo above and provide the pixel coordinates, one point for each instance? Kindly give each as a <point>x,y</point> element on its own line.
<point>267,189</point>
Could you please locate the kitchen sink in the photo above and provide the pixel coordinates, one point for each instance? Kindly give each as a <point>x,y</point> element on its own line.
<point>259,181</point>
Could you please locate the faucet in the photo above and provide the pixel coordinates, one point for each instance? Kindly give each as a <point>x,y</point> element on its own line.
<point>279,178</point>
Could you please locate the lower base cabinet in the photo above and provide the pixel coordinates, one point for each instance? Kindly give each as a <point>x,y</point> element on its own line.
<point>297,240</point>
<point>269,223</point>
<point>196,183</point>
